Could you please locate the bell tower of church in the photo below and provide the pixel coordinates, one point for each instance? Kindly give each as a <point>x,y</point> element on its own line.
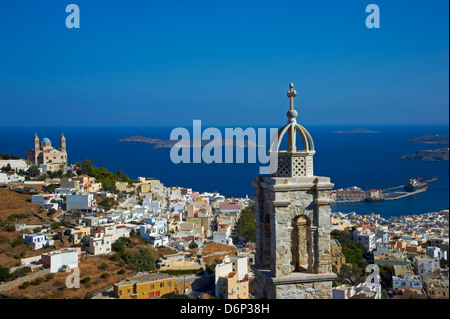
<point>292,208</point>
<point>35,148</point>
<point>63,143</point>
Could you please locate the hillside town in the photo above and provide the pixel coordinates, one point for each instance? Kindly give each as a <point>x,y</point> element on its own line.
<point>412,248</point>
<point>191,236</point>
<point>68,234</point>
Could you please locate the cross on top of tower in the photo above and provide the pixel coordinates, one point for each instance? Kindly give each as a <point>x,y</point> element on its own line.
<point>291,94</point>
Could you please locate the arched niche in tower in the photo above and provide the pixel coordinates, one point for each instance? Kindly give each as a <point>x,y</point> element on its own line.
<point>302,244</point>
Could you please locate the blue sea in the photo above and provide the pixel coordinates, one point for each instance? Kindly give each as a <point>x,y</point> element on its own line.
<point>367,160</point>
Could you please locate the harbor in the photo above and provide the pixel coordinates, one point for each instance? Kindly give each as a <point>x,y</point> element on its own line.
<point>355,194</point>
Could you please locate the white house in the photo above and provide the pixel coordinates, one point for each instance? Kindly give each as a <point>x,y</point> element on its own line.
<point>81,202</point>
<point>366,238</point>
<point>222,237</point>
<point>116,231</point>
<point>151,234</point>
<point>343,292</point>
<point>436,252</point>
<point>114,217</point>
<point>37,240</point>
<point>48,201</point>
<point>427,265</point>
<point>406,281</point>
<point>152,206</point>
<point>99,243</point>
<point>11,178</point>
<point>362,291</point>
<point>91,221</point>
<point>237,264</point>
<point>138,213</point>
<point>160,224</point>
<point>158,240</point>
<point>181,244</point>
<point>56,260</point>
<point>175,194</point>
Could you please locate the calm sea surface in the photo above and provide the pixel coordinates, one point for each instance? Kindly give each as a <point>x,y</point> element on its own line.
<point>365,160</point>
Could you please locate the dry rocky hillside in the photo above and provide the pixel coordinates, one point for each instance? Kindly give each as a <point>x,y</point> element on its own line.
<point>214,251</point>
<point>97,274</point>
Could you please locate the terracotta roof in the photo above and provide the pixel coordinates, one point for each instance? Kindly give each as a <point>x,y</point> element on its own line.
<point>226,206</point>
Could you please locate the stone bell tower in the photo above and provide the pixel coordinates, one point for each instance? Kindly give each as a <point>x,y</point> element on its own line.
<point>292,208</point>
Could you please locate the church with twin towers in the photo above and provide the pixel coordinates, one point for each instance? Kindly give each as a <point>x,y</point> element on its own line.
<point>292,208</point>
<point>44,156</point>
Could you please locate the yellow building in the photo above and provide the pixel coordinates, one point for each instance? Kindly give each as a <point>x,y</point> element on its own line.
<point>78,233</point>
<point>337,257</point>
<point>145,287</point>
<point>437,288</point>
<point>230,287</point>
<point>413,248</point>
<point>87,183</point>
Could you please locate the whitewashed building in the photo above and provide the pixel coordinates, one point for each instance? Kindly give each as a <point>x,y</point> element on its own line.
<point>37,240</point>
<point>116,231</point>
<point>81,202</point>
<point>237,264</point>
<point>56,260</point>
<point>48,201</point>
<point>99,243</point>
<point>11,178</point>
<point>406,281</point>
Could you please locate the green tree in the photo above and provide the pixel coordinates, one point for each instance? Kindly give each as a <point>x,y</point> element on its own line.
<point>140,260</point>
<point>33,171</point>
<point>50,187</point>
<point>386,273</point>
<point>120,245</point>
<point>4,273</point>
<point>7,168</point>
<point>85,167</point>
<point>108,203</point>
<point>246,225</point>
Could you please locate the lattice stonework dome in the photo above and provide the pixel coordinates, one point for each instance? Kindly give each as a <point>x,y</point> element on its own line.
<point>292,162</point>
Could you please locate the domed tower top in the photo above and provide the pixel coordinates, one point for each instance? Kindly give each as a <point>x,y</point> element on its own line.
<point>292,162</point>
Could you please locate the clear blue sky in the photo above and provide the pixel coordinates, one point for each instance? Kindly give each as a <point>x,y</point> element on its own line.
<point>224,62</point>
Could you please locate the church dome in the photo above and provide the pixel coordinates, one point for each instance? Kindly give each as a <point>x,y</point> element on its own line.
<point>45,139</point>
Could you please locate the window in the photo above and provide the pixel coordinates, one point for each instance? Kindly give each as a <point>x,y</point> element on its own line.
<point>161,285</point>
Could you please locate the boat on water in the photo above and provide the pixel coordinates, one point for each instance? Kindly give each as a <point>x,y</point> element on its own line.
<point>414,184</point>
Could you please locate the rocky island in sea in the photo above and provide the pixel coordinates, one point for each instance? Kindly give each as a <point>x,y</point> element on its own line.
<point>428,155</point>
<point>357,130</point>
<point>431,139</point>
<point>158,143</point>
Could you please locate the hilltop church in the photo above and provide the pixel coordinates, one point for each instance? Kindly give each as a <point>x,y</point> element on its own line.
<point>47,158</point>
